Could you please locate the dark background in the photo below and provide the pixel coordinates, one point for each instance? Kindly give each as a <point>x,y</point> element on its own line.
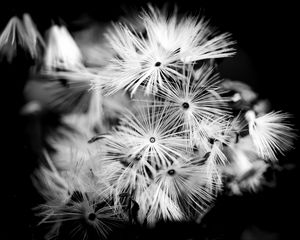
<point>267,59</point>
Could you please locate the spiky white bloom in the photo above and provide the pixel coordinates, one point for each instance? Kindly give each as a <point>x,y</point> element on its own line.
<point>143,143</point>
<point>153,60</point>
<point>190,36</point>
<point>195,101</point>
<point>178,192</point>
<point>62,51</point>
<point>147,132</point>
<point>24,33</point>
<point>138,62</point>
<point>271,133</point>
<point>74,198</point>
<point>85,215</point>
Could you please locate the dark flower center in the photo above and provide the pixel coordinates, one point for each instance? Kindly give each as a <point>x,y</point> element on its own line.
<point>185,105</point>
<point>171,172</point>
<point>138,157</point>
<point>157,64</point>
<point>152,139</point>
<point>92,216</point>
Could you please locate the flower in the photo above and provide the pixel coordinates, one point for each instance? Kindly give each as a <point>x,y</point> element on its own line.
<point>75,201</point>
<point>62,51</point>
<point>84,215</point>
<point>138,62</point>
<point>149,133</point>
<point>143,143</point>
<point>271,133</point>
<point>177,192</point>
<point>195,101</point>
<point>23,33</point>
<point>190,36</point>
<point>153,58</point>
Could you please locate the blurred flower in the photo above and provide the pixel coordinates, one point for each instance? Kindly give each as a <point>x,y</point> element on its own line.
<point>24,34</point>
<point>271,133</point>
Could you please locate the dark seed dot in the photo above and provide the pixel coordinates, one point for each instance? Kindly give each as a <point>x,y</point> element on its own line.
<point>157,64</point>
<point>195,149</point>
<point>152,139</point>
<point>92,216</point>
<point>64,82</point>
<point>211,140</point>
<point>185,105</point>
<point>171,172</point>
<point>138,157</point>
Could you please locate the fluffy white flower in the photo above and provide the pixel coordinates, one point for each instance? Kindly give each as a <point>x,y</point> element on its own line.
<point>271,133</point>
<point>195,101</point>
<point>188,35</point>
<point>153,58</point>
<point>150,133</point>
<point>85,215</point>
<point>62,51</point>
<point>178,192</point>
<point>23,33</point>
<point>138,62</point>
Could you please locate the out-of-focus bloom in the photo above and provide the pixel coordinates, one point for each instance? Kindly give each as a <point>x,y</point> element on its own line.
<point>73,206</point>
<point>271,133</point>
<point>62,51</point>
<point>245,169</point>
<point>24,34</point>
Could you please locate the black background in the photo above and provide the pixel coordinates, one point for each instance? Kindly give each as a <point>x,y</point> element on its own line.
<point>267,59</point>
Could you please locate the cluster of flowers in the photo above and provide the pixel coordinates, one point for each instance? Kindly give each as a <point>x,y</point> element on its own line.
<point>156,131</point>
